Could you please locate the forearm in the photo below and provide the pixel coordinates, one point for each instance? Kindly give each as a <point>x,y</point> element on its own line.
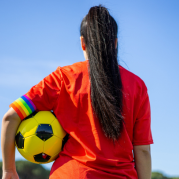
<point>10,124</point>
<point>143,163</point>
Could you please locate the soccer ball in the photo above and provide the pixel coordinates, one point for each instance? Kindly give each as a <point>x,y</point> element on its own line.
<point>39,137</point>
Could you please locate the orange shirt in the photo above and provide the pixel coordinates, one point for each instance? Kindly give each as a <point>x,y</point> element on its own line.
<point>88,153</point>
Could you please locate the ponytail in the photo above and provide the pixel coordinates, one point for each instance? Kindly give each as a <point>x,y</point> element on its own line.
<point>99,31</point>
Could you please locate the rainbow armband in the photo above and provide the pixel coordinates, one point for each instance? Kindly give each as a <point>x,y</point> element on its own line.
<point>23,106</point>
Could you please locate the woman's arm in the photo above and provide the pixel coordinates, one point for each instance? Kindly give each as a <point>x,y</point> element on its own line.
<point>10,123</point>
<point>142,159</point>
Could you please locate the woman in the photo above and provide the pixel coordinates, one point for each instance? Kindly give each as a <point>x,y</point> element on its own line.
<point>103,107</point>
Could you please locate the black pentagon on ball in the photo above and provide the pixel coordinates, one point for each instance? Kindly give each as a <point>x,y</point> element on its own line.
<point>42,157</point>
<point>19,140</point>
<point>44,131</point>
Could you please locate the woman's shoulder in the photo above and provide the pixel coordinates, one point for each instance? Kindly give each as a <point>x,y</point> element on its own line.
<point>131,79</point>
<point>71,72</point>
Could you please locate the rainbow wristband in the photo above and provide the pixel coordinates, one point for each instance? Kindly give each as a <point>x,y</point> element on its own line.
<point>23,106</point>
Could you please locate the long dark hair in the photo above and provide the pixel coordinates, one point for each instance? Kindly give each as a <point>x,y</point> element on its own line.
<point>99,30</point>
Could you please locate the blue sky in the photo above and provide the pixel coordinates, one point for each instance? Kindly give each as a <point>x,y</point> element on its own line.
<point>38,36</point>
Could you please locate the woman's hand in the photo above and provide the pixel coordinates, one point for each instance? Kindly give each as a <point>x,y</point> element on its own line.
<point>10,175</point>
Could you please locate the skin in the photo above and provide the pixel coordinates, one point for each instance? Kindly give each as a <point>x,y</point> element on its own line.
<point>142,159</point>
<point>11,121</point>
<point>83,46</point>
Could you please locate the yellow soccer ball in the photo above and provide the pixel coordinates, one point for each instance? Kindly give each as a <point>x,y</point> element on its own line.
<point>39,138</point>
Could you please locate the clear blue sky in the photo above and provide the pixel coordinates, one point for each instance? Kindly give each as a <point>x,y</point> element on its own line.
<point>38,36</point>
